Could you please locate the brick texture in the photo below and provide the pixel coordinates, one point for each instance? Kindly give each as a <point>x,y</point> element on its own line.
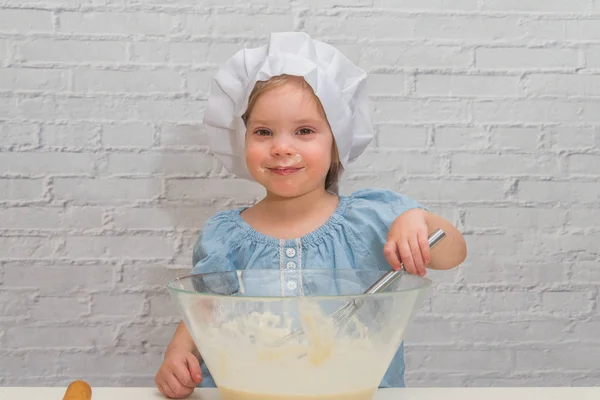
<point>486,111</point>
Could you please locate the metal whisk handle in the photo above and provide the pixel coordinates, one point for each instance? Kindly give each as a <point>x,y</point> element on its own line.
<point>391,276</point>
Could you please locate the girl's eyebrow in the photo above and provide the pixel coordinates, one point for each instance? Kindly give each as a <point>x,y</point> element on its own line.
<point>258,121</point>
<point>306,121</point>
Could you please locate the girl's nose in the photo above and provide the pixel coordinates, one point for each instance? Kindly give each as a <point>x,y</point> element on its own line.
<point>282,147</point>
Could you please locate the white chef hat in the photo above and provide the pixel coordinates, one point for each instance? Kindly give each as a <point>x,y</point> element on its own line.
<point>338,83</point>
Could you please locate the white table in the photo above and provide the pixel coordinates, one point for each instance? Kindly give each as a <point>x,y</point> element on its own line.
<point>530,393</point>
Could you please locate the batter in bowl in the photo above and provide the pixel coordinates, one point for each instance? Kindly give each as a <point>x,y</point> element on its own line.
<point>311,367</point>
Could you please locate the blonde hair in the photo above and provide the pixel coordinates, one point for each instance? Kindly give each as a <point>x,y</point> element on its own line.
<point>262,87</point>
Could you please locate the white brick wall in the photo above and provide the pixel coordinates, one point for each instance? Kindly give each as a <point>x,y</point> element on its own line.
<point>488,111</point>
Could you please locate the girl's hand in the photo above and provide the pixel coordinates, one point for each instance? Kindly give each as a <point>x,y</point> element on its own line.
<point>408,242</point>
<point>179,374</point>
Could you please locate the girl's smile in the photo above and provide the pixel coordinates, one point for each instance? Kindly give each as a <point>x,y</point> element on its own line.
<point>284,170</point>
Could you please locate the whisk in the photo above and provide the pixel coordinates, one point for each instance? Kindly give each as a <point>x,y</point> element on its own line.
<point>344,313</point>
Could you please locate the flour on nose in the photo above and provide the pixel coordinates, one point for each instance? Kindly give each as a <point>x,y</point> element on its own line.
<point>293,160</point>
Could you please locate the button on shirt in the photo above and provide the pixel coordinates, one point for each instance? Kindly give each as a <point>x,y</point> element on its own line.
<point>353,237</point>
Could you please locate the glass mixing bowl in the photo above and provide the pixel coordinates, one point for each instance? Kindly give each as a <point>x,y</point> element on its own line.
<point>240,321</point>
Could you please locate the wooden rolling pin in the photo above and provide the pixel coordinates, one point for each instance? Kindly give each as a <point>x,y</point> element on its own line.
<point>78,390</point>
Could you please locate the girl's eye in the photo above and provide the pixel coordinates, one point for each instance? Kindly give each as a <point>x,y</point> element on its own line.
<point>305,131</point>
<point>263,132</point>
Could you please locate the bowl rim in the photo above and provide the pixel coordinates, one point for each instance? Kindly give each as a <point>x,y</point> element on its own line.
<point>426,284</point>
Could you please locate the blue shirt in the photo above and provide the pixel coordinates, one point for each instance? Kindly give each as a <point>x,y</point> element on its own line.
<point>353,237</point>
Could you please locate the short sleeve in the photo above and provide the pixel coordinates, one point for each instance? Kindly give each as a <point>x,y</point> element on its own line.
<point>370,216</point>
<point>210,251</point>
<point>383,205</point>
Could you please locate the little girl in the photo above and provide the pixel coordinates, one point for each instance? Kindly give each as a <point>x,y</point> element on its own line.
<point>291,116</point>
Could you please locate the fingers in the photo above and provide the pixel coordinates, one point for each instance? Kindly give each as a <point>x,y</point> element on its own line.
<point>406,256</point>
<point>417,257</point>
<point>164,387</point>
<point>424,246</point>
<point>194,369</point>
<point>390,251</point>
<point>178,389</point>
<point>182,374</point>
<point>174,380</point>
<point>160,387</point>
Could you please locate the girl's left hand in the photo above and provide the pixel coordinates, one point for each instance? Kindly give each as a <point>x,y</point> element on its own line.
<point>408,242</point>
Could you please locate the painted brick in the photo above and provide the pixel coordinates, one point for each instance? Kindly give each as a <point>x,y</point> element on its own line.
<point>573,357</point>
<point>26,21</point>
<point>59,336</point>
<point>27,247</point>
<point>583,164</point>
<point>98,191</point>
<point>16,135</point>
<point>420,111</point>
<point>198,82</point>
<point>223,23</point>
<point>70,51</point>
<point>37,163</point>
<point>509,164</point>
<point>76,135</point>
<point>140,81</point>
<point>162,218</point>
<point>567,302</point>
<point>403,163</point>
<point>182,136</point>
<point>210,189</point>
<point>51,218</point>
<point>521,58</point>
<point>48,278</point>
<point>536,111</point>
<point>136,247</point>
<point>552,191</point>
<point>387,84</point>
<point>351,26</point>
<point>122,23</point>
<point>128,134</point>
<point>449,137</point>
<point>515,138</point>
<point>534,6</point>
<point>32,79</point>
<point>59,308</point>
<point>161,52</point>
<point>404,56</point>
<point>488,332</point>
<point>592,57</point>
<point>575,137</point>
<point>514,218</point>
<point>456,190</point>
<point>563,85</point>
<point>396,136</point>
<point>444,5</point>
<point>488,28</point>
<point>160,163</point>
<point>467,85</point>
<point>21,189</point>
<point>110,305</point>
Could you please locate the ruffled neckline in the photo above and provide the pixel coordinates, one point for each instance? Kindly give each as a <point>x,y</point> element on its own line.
<point>310,238</point>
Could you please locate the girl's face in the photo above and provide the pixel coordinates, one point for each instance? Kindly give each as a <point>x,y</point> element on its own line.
<point>288,141</point>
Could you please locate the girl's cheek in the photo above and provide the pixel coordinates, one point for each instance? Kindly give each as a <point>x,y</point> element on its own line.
<point>254,159</point>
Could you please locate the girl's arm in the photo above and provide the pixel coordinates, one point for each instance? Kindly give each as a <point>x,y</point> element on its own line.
<point>182,340</point>
<point>449,252</point>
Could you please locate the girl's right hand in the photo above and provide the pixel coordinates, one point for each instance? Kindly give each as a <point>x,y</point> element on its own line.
<point>178,375</point>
